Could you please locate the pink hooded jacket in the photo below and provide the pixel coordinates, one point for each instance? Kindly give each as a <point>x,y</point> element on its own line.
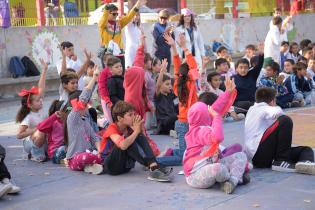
<point>205,130</point>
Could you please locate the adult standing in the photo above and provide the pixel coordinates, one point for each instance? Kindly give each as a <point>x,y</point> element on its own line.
<point>194,40</point>
<point>286,26</point>
<point>111,29</point>
<point>273,42</point>
<point>132,33</point>
<point>160,48</point>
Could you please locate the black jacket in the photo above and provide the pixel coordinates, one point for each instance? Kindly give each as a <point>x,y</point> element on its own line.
<point>115,88</point>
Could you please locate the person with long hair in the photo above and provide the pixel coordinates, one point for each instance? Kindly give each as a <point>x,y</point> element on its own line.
<point>194,40</point>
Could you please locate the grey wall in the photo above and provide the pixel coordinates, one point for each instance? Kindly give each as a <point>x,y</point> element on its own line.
<point>236,33</point>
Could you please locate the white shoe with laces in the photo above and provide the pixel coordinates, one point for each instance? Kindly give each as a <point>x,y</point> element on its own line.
<point>14,189</point>
<point>4,189</point>
<point>305,167</point>
<point>94,169</point>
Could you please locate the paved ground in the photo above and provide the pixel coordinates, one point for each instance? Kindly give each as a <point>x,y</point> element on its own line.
<point>47,186</point>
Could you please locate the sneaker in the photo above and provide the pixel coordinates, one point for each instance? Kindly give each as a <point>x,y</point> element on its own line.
<point>283,166</point>
<point>166,170</point>
<point>158,175</point>
<point>4,189</point>
<point>246,179</point>
<point>14,189</point>
<point>241,116</point>
<point>173,134</point>
<point>228,187</point>
<point>306,167</point>
<point>93,169</point>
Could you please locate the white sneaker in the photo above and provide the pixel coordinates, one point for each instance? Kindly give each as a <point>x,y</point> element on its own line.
<point>241,116</point>
<point>173,134</point>
<point>4,189</point>
<point>94,169</point>
<point>306,167</point>
<point>14,189</point>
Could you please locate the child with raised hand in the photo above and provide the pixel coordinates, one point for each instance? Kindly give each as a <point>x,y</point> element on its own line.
<point>70,79</point>
<point>166,111</point>
<point>186,75</point>
<point>81,139</point>
<point>203,164</point>
<point>115,81</point>
<point>95,99</point>
<point>30,115</point>
<point>214,81</point>
<point>300,84</point>
<point>121,143</point>
<point>136,93</point>
<point>53,127</point>
<point>268,137</point>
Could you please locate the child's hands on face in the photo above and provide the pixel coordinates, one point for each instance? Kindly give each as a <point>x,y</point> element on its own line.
<point>280,79</point>
<point>137,124</point>
<point>212,112</point>
<point>229,84</point>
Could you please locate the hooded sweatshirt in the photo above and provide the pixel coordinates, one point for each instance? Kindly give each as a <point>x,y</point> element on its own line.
<point>205,133</point>
<point>102,84</point>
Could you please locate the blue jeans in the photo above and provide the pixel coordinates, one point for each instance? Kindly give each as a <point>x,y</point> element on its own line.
<point>181,129</point>
<point>38,153</point>
<point>59,154</point>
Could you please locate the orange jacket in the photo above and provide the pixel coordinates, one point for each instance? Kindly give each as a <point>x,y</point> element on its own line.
<point>191,84</point>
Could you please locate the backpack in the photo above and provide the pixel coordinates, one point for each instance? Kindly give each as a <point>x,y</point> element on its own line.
<point>30,67</point>
<point>16,67</point>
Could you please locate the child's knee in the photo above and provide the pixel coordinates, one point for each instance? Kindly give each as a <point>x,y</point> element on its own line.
<point>38,138</point>
<point>285,120</point>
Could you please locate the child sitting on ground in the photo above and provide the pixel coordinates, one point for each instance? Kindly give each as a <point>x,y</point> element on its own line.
<point>288,69</point>
<point>53,127</point>
<point>222,66</point>
<point>30,115</point>
<point>268,137</point>
<point>115,82</point>
<point>121,142</point>
<point>294,52</point>
<point>250,51</point>
<point>95,100</point>
<point>80,138</point>
<point>311,70</point>
<point>272,80</point>
<point>284,50</point>
<point>166,112</point>
<point>300,84</point>
<point>245,82</point>
<point>203,166</point>
<point>214,84</point>
<point>307,53</point>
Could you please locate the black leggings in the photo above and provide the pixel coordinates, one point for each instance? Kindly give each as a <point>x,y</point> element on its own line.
<point>166,125</point>
<point>4,173</point>
<point>122,161</point>
<point>277,146</point>
<point>242,106</point>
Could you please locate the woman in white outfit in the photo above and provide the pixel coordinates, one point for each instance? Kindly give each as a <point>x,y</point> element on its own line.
<point>132,33</point>
<point>194,40</point>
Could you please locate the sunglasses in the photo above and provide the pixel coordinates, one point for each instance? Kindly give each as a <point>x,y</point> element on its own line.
<point>114,13</point>
<point>163,18</point>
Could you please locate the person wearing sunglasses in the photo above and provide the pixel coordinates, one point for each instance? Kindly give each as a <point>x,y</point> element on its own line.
<point>161,49</point>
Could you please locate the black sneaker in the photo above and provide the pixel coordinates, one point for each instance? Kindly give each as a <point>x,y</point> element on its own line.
<point>159,175</point>
<point>283,166</point>
<point>245,179</point>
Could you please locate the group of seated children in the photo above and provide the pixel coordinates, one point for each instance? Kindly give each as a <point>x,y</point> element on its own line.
<point>71,134</point>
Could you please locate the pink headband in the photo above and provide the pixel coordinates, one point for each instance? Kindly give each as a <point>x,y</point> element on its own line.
<point>186,12</point>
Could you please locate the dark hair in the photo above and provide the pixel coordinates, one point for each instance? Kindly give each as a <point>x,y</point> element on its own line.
<point>111,7</point>
<point>120,109</point>
<point>254,61</point>
<point>54,107</point>
<point>165,77</point>
<point>242,61</point>
<point>24,110</point>
<point>112,61</point>
<point>192,21</point>
<point>67,76</point>
<point>251,47</point>
<point>147,57</point>
<point>265,94</point>
<point>211,75</point>
<point>301,59</point>
<point>66,44</point>
<point>220,49</point>
<point>276,20</point>
<point>91,64</point>
<point>290,61</point>
<point>155,61</point>
<point>299,66</point>
<point>285,43</point>
<point>306,49</point>
<point>208,98</point>
<point>182,88</point>
<point>291,46</point>
<point>220,61</point>
<point>274,66</point>
<point>304,43</point>
<point>276,9</point>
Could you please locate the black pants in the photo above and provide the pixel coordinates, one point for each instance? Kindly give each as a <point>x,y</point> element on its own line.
<point>4,173</point>
<point>284,100</point>
<point>242,106</point>
<point>277,146</point>
<point>122,161</point>
<point>166,125</point>
<point>93,114</point>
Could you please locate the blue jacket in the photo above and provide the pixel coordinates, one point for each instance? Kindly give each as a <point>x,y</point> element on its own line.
<point>295,84</point>
<point>162,49</point>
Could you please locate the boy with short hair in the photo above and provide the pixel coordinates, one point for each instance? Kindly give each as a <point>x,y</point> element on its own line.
<point>222,66</point>
<point>249,51</point>
<point>307,53</point>
<point>121,142</point>
<point>268,137</point>
<point>284,50</point>
<point>245,82</point>
<point>222,52</point>
<point>287,69</point>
